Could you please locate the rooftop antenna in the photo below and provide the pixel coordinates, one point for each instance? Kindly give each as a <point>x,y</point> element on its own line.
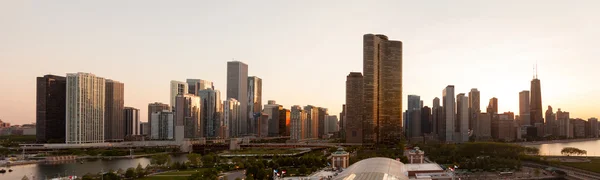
<point>536,70</point>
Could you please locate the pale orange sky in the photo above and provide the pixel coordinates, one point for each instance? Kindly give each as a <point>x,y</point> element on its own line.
<point>303,50</point>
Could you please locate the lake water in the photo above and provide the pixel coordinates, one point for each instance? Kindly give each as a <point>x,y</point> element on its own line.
<point>553,149</point>
<point>48,170</point>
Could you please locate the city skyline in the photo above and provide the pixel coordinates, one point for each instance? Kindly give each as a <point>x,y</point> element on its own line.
<point>480,49</point>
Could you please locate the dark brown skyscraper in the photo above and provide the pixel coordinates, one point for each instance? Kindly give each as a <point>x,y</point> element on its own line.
<point>536,102</point>
<point>382,68</point>
<point>354,108</point>
<point>50,109</point>
<point>114,125</point>
<point>323,114</point>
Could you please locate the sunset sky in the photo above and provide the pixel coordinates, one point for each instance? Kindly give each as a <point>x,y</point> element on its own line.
<point>303,50</point>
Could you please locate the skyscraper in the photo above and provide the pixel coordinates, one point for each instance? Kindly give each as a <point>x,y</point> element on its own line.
<point>342,123</point>
<point>474,108</point>
<point>156,107</point>
<point>565,129</point>
<point>312,118</point>
<point>462,118</point>
<point>237,88</point>
<point>131,116</point>
<point>297,121</point>
<point>195,85</point>
<point>113,112</point>
<point>162,127</point>
<point>449,113</point>
<point>493,106</point>
<point>412,120</point>
<point>593,127</point>
<point>210,101</point>
<point>85,108</point>
<point>536,102</point>
<point>524,108</point>
<point>551,122</point>
<point>332,124</point>
<point>188,114</point>
<point>284,122</point>
<point>272,110</point>
<point>382,68</point>
<point>353,117</point>
<point>177,87</point>
<point>323,114</point>
<point>484,131</point>
<point>437,118</point>
<point>254,103</point>
<point>231,117</point>
<point>426,120</point>
<point>50,109</point>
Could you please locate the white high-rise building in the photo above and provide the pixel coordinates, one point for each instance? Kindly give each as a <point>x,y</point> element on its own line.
<point>162,125</point>
<point>177,87</point>
<point>449,112</point>
<point>463,117</point>
<point>85,108</point>
<point>231,118</point>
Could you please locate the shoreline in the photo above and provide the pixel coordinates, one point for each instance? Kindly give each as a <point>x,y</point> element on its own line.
<point>556,141</point>
<point>28,162</point>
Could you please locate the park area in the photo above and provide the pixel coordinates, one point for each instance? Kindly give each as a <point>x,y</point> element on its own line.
<point>593,164</point>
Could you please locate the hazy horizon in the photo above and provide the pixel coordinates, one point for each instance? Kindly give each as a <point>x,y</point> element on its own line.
<point>303,50</point>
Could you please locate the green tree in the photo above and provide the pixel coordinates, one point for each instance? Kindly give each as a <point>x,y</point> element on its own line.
<point>572,151</point>
<point>120,171</point>
<point>87,176</point>
<point>130,173</point>
<point>139,171</point>
<point>160,159</point>
<point>302,169</point>
<point>110,176</point>
<point>194,159</point>
<point>208,160</point>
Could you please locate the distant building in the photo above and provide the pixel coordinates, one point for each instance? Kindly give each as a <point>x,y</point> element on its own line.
<point>187,113</point>
<point>551,124</point>
<point>297,123</point>
<point>162,125</point>
<point>536,102</point>
<point>263,125</point>
<point>231,117</point>
<point>312,118</point>
<point>284,122</point>
<point>593,127</point>
<point>177,87</point>
<point>449,113</point>
<point>323,114</point>
<point>412,120</point>
<point>578,128</point>
<point>4,124</point>
<point>462,118</point>
<point>484,131</point>
<point>353,117</point>
<point>415,156</point>
<point>342,123</point>
<point>195,85</point>
<point>272,110</point>
<point>564,125</point>
<point>474,109</point>
<point>156,107</point>
<point>50,109</point>
<point>254,103</point>
<point>438,124</point>
<point>211,111</point>
<point>524,109</point>
<point>114,125</point>
<point>332,124</point>
<point>503,127</point>
<point>382,70</point>
<point>85,105</point>
<point>493,106</point>
<point>145,128</point>
<point>131,117</point>
<point>237,88</point>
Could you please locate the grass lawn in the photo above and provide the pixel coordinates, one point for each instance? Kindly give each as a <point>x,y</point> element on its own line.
<point>593,166</point>
<point>176,175</point>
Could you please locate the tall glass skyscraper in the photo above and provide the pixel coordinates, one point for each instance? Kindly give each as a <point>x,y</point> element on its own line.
<point>449,113</point>
<point>237,88</point>
<point>254,103</point>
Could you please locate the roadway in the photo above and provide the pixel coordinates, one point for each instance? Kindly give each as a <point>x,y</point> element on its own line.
<point>571,172</point>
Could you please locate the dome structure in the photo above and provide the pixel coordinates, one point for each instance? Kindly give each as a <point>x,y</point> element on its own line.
<point>375,169</point>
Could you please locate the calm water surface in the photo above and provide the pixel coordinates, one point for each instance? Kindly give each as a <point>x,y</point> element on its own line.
<point>42,171</point>
<point>553,149</point>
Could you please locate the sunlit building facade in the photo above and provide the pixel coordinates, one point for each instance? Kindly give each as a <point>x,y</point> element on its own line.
<point>85,108</point>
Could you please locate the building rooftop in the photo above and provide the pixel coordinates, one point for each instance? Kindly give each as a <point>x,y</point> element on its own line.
<point>375,169</point>
<point>423,167</point>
